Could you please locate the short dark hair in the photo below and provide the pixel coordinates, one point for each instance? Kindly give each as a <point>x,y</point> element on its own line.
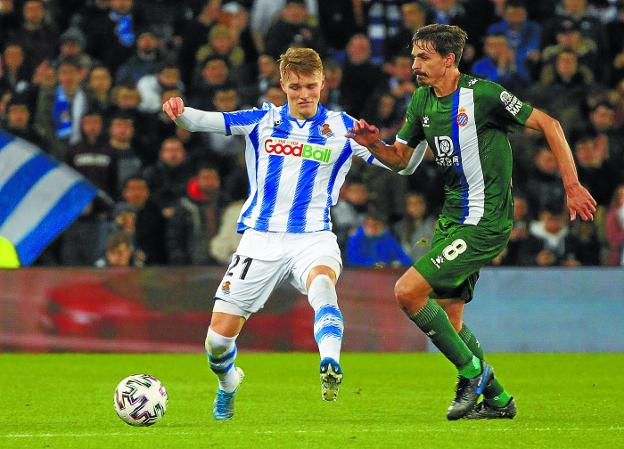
<point>445,39</point>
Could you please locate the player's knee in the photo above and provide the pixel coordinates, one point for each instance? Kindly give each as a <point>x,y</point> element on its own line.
<point>409,297</point>
<point>322,291</point>
<point>217,344</point>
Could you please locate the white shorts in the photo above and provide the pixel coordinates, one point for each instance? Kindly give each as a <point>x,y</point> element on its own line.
<point>263,260</point>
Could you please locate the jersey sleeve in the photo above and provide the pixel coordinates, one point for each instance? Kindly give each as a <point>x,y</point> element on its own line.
<point>243,122</point>
<point>412,132</point>
<point>507,109</point>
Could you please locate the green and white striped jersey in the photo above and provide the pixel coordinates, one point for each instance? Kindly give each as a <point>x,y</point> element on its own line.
<point>467,131</point>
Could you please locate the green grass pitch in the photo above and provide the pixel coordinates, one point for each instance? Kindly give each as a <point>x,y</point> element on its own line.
<point>564,401</point>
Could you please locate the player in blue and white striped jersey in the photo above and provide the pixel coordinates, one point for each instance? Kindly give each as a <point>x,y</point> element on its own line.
<point>297,158</point>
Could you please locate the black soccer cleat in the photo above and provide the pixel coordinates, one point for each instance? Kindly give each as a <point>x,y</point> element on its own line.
<point>468,392</point>
<point>483,410</point>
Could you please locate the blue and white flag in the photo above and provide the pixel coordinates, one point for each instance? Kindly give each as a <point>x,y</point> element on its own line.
<point>39,197</point>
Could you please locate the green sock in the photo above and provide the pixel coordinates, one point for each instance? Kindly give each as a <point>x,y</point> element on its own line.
<point>494,393</point>
<point>434,322</point>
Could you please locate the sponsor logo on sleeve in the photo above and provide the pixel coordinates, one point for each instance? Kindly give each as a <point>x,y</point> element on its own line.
<point>511,103</point>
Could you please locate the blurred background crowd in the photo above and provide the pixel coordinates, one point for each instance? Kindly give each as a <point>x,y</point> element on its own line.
<point>85,80</point>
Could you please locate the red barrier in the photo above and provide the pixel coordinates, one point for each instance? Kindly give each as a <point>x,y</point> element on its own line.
<point>168,310</point>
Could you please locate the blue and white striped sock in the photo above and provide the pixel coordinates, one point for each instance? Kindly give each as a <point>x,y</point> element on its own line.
<point>221,353</point>
<point>328,321</point>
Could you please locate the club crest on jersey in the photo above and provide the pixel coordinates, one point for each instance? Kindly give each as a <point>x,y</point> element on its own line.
<point>326,130</point>
<point>294,148</point>
<point>462,117</point>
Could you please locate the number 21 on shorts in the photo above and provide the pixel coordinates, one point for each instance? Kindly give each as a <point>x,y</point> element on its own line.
<point>246,263</point>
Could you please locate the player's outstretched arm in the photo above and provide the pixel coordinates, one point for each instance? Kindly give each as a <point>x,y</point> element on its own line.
<point>193,119</point>
<point>578,197</point>
<point>396,156</point>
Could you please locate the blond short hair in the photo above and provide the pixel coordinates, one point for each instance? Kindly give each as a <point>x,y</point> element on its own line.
<point>300,61</point>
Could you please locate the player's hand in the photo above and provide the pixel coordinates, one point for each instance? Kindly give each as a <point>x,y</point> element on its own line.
<point>580,202</point>
<point>173,107</point>
<point>363,133</point>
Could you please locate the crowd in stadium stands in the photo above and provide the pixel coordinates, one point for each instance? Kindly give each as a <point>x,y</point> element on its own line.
<point>85,81</point>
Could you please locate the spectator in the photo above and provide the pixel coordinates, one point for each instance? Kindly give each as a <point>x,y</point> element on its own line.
<point>19,124</point>
<point>196,220</point>
<point>543,185</point>
<point>195,35</point>
<point>99,83</point>
<point>570,37</point>
<point>330,92</point>
<point>383,19</point>
<point>268,73</point>
<point>8,19</point>
<point>501,65</point>
<point>594,172</point>
<point>236,17</point>
<point>523,36</point>
<point>274,95</point>
<point>519,233</point>
<point>91,156</point>
<point>219,149</point>
<point>615,228</point>
<point>338,22</point>
<point>72,45</point>
<point>264,13</point>
<point>15,75</point>
<point>414,15</point>
<point>83,242</point>
<point>221,42</point>
<point>148,59</point>
<point>112,38</point>
<point>151,87</point>
<point>151,226</point>
<point>372,245</point>
<point>125,159</point>
<point>578,12</point>
<point>119,252</point>
<point>360,77</point>
<point>38,38</point>
<point>168,177</point>
<point>348,213</point>
<point>550,242</point>
<point>402,83</point>
<point>214,75</point>
<point>293,29</point>
<point>602,122</point>
<point>60,107</point>
<point>415,230</point>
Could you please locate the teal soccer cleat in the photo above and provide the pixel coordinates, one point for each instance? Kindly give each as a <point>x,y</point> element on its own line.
<point>224,402</point>
<point>331,377</point>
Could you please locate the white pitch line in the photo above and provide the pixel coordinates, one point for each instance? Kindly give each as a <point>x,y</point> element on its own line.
<point>269,432</point>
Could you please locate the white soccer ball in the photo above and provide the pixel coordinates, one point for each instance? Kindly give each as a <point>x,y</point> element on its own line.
<point>140,400</point>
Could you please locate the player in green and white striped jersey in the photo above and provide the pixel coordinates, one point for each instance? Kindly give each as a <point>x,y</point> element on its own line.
<point>465,121</point>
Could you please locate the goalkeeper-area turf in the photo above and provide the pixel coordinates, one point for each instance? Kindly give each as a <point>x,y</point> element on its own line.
<point>386,401</point>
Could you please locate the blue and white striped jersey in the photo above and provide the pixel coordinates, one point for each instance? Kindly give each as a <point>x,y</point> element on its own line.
<point>295,168</point>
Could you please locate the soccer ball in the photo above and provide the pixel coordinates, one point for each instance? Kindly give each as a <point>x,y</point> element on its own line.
<point>140,400</point>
